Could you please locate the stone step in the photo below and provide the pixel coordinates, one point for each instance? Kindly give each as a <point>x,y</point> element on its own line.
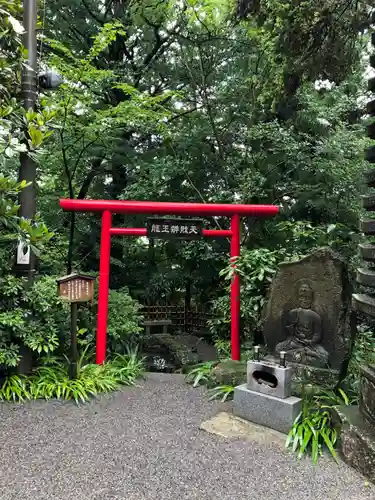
<point>367,251</point>
<point>366,276</point>
<point>371,130</point>
<point>368,202</point>
<point>370,177</point>
<point>370,153</point>
<point>367,226</point>
<point>370,108</point>
<point>364,304</point>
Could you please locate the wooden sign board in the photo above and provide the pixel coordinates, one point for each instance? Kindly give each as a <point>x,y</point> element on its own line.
<point>76,288</point>
<point>170,229</point>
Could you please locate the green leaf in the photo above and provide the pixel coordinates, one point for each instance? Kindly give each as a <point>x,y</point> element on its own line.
<point>315,448</point>
<point>329,444</point>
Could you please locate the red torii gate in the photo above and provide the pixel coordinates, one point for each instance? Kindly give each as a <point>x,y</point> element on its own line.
<point>109,207</point>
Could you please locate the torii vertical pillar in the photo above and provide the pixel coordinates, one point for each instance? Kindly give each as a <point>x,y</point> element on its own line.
<point>235,304</point>
<point>105,257</point>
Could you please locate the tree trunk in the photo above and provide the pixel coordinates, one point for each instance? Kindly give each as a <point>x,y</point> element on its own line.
<point>69,260</point>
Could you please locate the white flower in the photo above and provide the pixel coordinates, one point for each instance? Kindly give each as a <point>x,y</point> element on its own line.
<point>324,122</point>
<point>16,25</point>
<point>79,109</point>
<point>323,84</point>
<point>3,131</point>
<point>159,363</point>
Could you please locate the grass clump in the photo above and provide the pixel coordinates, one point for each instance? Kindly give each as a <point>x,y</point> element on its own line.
<point>313,430</point>
<point>53,382</point>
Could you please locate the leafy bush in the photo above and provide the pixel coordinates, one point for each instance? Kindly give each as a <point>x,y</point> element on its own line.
<point>35,317</point>
<point>256,269</point>
<point>17,316</point>
<point>124,320</point>
<point>53,381</point>
<point>313,430</point>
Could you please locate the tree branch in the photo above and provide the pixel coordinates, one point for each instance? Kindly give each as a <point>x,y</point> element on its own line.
<point>94,16</point>
<point>81,153</point>
<point>89,178</point>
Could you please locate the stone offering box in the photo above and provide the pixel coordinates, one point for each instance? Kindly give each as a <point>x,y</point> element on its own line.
<point>76,288</point>
<point>266,397</point>
<point>269,378</point>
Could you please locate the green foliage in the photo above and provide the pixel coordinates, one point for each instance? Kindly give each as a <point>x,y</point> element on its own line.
<point>20,130</point>
<point>15,388</point>
<point>310,433</point>
<point>152,92</point>
<point>329,32</point>
<point>49,382</point>
<point>256,269</point>
<point>363,354</point>
<point>124,322</point>
<point>24,317</point>
<point>201,374</point>
<point>313,430</point>
<point>222,392</point>
<point>14,229</point>
<point>223,348</point>
<point>35,317</point>
<point>124,318</point>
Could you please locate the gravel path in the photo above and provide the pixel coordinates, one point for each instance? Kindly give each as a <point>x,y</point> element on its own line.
<point>144,443</point>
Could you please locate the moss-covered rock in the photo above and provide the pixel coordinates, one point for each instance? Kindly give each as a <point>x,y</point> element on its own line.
<point>229,372</point>
<point>172,352</point>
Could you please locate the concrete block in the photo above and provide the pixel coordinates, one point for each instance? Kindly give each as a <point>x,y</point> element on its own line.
<point>263,409</point>
<point>269,378</point>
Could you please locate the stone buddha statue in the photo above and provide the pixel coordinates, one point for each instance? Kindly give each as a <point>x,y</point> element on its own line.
<point>304,332</point>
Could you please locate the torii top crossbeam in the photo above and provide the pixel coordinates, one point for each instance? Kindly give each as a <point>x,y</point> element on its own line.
<point>167,208</point>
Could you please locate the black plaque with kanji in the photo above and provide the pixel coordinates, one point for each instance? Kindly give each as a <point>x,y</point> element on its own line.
<point>170,229</point>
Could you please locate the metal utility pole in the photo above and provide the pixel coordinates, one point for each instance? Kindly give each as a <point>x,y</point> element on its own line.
<point>25,262</point>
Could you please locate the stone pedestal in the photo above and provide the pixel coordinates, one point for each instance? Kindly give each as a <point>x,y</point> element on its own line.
<point>357,427</point>
<point>266,397</point>
<point>270,411</point>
